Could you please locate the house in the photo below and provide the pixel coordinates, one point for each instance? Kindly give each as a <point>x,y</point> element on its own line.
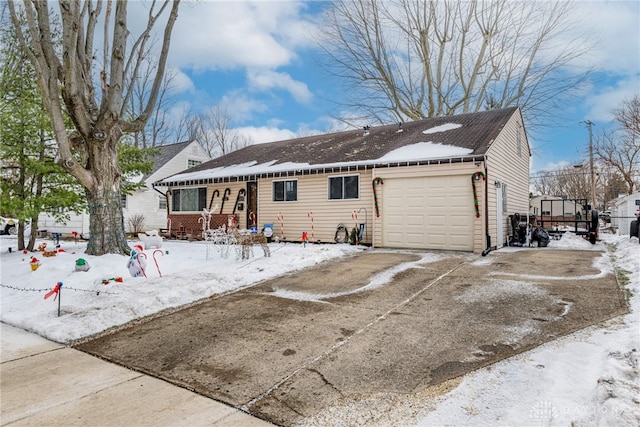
<point>440,183</point>
<point>623,210</point>
<point>149,204</point>
<point>546,205</point>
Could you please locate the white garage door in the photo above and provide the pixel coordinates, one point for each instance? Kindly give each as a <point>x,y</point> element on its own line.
<point>428,213</point>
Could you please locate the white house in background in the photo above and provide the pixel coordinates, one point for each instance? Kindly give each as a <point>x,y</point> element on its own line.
<point>623,211</point>
<point>546,205</point>
<point>150,203</point>
<point>173,158</point>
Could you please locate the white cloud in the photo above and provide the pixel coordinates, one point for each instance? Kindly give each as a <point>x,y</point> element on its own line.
<point>616,25</point>
<point>265,80</point>
<point>211,35</point>
<point>264,134</point>
<point>607,98</point>
<point>241,106</point>
<point>180,82</point>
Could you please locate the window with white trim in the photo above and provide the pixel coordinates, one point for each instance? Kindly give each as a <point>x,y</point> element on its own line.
<point>189,199</point>
<point>192,163</point>
<point>285,191</point>
<point>344,187</point>
<point>162,202</point>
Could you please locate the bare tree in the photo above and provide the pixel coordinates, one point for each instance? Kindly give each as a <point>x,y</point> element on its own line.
<point>408,59</point>
<point>95,103</point>
<point>159,128</point>
<point>569,182</point>
<point>186,127</point>
<point>620,149</point>
<point>214,132</point>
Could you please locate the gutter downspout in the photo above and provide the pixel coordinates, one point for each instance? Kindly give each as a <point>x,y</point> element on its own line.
<point>165,195</point>
<point>486,209</point>
<point>373,209</point>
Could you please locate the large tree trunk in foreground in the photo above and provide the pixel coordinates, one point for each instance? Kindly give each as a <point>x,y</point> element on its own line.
<point>95,100</point>
<point>106,220</point>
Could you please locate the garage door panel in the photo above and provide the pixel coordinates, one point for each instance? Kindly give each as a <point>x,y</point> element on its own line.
<point>428,213</point>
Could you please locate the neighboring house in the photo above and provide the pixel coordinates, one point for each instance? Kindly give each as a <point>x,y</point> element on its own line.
<point>546,205</point>
<point>413,185</point>
<point>173,158</point>
<point>152,205</point>
<point>623,211</point>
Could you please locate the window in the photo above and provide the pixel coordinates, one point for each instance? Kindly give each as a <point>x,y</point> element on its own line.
<point>189,199</point>
<point>519,141</point>
<point>344,187</point>
<point>285,191</point>
<point>123,201</point>
<point>192,163</point>
<point>162,203</point>
<point>504,197</point>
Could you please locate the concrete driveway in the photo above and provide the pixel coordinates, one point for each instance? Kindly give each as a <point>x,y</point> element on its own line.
<point>377,323</point>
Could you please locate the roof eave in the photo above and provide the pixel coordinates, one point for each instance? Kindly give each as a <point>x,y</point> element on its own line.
<point>322,169</point>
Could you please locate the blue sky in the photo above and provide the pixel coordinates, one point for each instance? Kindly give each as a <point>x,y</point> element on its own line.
<point>260,61</point>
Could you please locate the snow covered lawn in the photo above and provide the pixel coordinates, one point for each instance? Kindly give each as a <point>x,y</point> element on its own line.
<point>587,378</point>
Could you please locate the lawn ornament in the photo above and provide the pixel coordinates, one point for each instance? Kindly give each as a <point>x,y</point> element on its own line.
<point>82,265</point>
<point>245,242</point>
<point>156,261</point>
<point>113,279</point>
<point>151,239</point>
<point>35,263</point>
<point>137,262</point>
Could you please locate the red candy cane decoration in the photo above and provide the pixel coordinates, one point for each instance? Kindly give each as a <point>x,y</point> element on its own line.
<point>252,218</point>
<point>156,261</point>
<point>376,181</point>
<point>310,215</point>
<point>281,219</point>
<point>140,263</point>
<point>476,177</point>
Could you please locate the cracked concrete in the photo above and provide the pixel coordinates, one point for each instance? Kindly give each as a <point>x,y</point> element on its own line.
<point>285,359</point>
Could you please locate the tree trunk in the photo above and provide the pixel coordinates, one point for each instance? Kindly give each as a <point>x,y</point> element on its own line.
<point>106,221</point>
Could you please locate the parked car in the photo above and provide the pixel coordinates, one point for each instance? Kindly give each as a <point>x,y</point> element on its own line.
<point>10,226</point>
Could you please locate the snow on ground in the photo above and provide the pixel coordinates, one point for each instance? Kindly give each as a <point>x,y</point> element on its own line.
<point>590,377</point>
<point>88,306</point>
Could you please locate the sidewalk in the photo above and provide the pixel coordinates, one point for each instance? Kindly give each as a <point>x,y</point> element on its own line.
<point>45,383</point>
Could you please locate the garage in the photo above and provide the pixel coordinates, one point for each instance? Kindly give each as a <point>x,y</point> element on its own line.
<point>428,213</point>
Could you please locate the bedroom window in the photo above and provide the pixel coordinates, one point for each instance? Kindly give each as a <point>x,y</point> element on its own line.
<point>344,187</point>
<point>189,199</point>
<point>285,191</point>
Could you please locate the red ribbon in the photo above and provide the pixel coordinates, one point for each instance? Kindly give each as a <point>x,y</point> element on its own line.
<point>56,291</point>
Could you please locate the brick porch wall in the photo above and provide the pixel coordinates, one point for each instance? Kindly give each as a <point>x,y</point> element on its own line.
<point>193,227</point>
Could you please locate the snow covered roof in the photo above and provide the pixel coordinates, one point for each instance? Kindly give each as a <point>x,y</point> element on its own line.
<point>464,136</point>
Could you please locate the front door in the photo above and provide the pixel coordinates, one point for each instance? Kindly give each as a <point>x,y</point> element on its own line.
<point>252,204</point>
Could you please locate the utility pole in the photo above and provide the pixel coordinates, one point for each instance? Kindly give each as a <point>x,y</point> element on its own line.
<point>592,182</point>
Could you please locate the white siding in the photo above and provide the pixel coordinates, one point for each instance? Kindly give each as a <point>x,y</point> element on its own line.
<point>508,163</point>
<point>146,201</point>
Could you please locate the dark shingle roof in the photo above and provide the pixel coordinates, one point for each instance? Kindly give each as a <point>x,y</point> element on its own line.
<point>475,132</point>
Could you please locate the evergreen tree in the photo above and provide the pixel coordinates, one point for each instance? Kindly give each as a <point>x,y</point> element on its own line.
<point>31,181</point>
